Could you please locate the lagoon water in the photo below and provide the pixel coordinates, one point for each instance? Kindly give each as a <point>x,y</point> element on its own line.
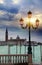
<point>36,51</point>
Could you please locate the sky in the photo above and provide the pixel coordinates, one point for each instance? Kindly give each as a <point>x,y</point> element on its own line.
<point>10,13</point>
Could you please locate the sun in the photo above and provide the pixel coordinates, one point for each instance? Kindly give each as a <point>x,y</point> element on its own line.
<point>16,1</point>
<point>1,1</point>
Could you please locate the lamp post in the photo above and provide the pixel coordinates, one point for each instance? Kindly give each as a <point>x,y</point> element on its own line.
<point>29,25</point>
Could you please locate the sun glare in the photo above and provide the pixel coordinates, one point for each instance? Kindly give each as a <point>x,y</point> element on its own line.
<point>32,20</point>
<point>27,20</point>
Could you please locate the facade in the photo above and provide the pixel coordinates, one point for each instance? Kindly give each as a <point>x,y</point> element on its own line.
<point>20,46</point>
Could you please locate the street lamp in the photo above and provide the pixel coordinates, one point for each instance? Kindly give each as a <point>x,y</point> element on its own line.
<point>29,25</point>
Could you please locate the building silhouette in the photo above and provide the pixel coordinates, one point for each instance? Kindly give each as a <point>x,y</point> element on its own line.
<point>6,35</point>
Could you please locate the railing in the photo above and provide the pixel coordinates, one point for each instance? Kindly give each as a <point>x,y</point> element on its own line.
<point>12,59</point>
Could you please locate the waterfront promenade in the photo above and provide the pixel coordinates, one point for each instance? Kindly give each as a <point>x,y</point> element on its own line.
<point>14,60</point>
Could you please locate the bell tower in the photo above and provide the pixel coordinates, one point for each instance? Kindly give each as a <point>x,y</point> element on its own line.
<point>6,35</point>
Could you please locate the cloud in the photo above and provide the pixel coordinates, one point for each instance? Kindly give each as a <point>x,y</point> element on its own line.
<point>6,16</point>
<point>2,34</point>
<point>39,32</point>
<point>7,12</point>
<point>37,2</point>
<point>16,1</point>
<point>12,9</point>
<point>33,5</point>
<point>8,19</point>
